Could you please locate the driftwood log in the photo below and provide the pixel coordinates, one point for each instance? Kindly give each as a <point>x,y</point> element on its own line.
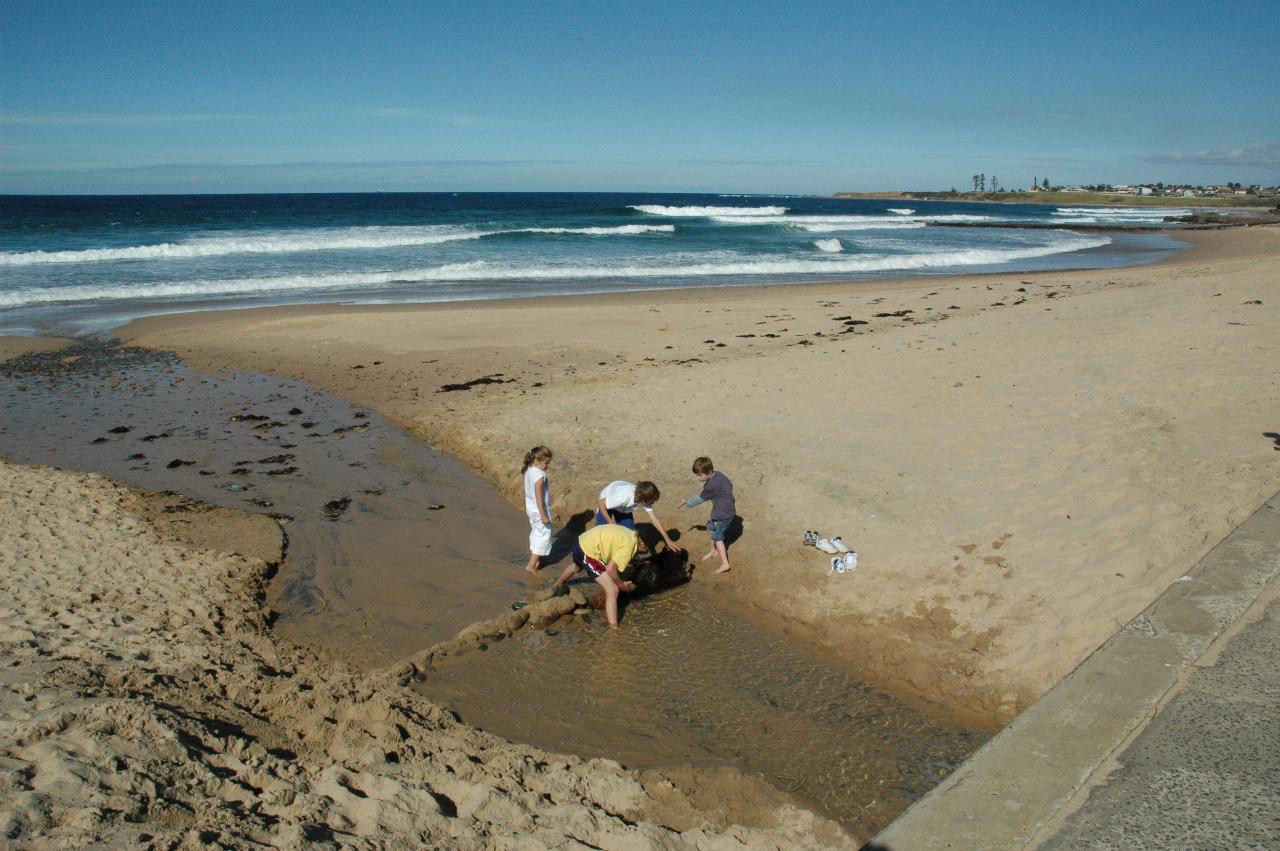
<point>651,572</point>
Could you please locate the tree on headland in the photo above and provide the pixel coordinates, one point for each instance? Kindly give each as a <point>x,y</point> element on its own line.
<point>995,184</point>
<point>1046,184</point>
<point>975,182</point>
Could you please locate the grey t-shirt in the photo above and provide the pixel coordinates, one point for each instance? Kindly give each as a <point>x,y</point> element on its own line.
<point>719,490</point>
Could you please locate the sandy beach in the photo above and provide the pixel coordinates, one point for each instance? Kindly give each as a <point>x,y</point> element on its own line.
<point>1023,461</point>
<point>147,703</point>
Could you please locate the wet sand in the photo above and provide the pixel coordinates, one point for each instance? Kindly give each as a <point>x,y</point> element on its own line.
<point>1023,460</point>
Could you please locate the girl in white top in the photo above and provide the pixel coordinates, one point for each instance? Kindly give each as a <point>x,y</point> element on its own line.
<point>537,505</point>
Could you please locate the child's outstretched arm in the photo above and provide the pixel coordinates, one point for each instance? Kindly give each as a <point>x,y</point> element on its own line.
<point>657,524</point>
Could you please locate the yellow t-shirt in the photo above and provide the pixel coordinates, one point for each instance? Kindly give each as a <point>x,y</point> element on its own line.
<point>609,542</point>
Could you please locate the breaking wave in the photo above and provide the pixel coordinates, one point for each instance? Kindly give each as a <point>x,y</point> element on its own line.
<point>725,265</point>
<point>619,230</point>
<point>660,210</point>
<point>293,242</point>
<point>831,245</point>
<point>901,211</point>
<point>826,224</point>
<point>1113,215</point>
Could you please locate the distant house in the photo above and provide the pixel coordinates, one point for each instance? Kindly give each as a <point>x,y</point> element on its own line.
<point>1189,193</point>
<point>1143,190</point>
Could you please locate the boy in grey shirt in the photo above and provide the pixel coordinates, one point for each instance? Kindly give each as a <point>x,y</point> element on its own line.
<point>717,488</point>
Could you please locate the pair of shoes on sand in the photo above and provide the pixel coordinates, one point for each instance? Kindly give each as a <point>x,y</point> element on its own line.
<point>846,563</point>
<point>831,547</point>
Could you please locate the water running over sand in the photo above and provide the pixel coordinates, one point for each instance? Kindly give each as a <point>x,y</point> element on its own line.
<point>373,570</point>
<point>394,547</point>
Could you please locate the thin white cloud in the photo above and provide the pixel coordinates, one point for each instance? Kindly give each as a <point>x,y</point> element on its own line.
<point>1262,153</point>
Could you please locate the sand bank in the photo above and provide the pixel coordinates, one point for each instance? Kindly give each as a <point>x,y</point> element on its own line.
<point>145,702</point>
<point>1024,461</point>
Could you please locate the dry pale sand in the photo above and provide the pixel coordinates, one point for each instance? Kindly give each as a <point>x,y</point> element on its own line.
<point>144,702</point>
<point>1023,461</point>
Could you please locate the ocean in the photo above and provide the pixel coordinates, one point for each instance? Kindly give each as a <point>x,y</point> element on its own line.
<point>83,264</point>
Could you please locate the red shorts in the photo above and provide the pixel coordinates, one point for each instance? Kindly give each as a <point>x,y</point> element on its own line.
<point>595,565</point>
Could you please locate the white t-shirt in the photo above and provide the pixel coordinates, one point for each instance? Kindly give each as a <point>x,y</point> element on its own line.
<point>531,477</point>
<point>621,496</point>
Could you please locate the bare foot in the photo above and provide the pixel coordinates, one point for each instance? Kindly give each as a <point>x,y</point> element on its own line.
<point>708,555</point>
<point>532,570</point>
<point>724,568</point>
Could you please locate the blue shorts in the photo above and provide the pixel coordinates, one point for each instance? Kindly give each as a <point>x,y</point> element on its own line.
<point>619,517</point>
<point>717,528</point>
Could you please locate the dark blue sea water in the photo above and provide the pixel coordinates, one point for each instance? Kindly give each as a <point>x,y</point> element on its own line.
<point>84,264</point>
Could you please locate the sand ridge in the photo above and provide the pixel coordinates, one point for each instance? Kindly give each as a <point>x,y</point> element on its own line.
<point>145,702</point>
<point>1023,460</point>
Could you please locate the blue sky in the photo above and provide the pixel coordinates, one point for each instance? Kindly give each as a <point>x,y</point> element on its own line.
<point>713,96</point>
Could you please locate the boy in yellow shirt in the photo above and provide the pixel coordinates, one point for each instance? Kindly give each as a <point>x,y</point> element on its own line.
<point>605,551</point>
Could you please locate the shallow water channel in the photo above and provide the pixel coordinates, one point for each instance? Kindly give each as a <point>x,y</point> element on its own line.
<point>422,548</point>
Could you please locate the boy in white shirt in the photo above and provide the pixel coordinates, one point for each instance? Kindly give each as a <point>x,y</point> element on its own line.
<point>619,500</point>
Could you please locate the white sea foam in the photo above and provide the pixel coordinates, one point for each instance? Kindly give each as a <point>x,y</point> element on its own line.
<point>827,224</point>
<point>1140,212</point>
<point>660,210</point>
<point>829,227</point>
<point>726,264</point>
<point>619,230</point>
<point>1115,215</point>
<point>292,242</point>
<point>831,245</point>
<point>901,211</point>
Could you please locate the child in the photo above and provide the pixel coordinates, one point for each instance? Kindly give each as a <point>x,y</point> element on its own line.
<point>619,500</point>
<point>537,505</point>
<point>717,488</point>
<point>605,551</point>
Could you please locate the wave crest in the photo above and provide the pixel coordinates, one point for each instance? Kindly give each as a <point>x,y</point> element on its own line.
<point>296,242</point>
<point>660,210</point>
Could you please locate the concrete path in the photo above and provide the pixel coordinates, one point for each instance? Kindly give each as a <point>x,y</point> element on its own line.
<point>1167,737</point>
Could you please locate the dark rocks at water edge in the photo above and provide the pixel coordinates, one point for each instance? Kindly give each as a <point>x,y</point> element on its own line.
<point>89,358</point>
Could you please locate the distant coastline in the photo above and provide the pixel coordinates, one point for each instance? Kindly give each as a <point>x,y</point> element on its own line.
<point>1073,198</point>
